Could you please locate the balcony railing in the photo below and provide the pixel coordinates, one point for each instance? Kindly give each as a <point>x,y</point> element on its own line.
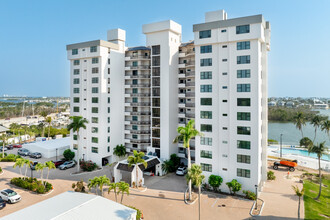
<point>139,57</point>
<point>190,94</point>
<point>190,104</point>
<point>140,122</point>
<point>140,141</point>
<point>190,83</point>
<point>139,131</point>
<point>191,73</point>
<point>190,115</point>
<point>140,85</point>
<point>139,76</point>
<point>139,103</point>
<point>139,94</point>
<point>139,67</point>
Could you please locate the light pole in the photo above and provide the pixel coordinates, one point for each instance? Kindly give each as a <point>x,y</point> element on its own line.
<point>281,145</point>
<point>256,206</point>
<point>56,153</point>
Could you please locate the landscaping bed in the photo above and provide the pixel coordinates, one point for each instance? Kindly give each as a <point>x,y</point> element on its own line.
<point>32,184</point>
<point>9,157</point>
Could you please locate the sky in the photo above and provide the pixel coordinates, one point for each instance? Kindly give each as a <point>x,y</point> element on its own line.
<point>34,33</point>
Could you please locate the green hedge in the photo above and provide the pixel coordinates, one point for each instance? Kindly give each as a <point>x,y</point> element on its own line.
<point>249,195</point>
<point>138,214</point>
<point>32,184</point>
<point>10,158</point>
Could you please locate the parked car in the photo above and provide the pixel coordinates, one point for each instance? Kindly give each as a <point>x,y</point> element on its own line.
<point>33,165</point>
<point>67,164</point>
<point>9,147</point>
<point>2,148</point>
<point>23,152</point>
<point>2,203</point>
<point>58,162</point>
<point>10,196</point>
<point>36,155</point>
<point>17,146</point>
<point>181,171</point>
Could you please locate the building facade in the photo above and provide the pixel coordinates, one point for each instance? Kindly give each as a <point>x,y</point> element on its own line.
<point>219,79</point>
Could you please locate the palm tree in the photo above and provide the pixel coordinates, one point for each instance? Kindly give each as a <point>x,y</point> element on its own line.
<point>136,159</point>
<point>27,164</point>
<point>319,150</point>
<point>316,122</point>
<point>4,139</point>
<point>40,168</point>
<point>49,121</point>
<point>15,128</point>
<point>195,176</point>
<point>103,181</point>
<point>77,123</point>
<point>300,121</point>
<point>119,151</point>
<point>299,193</point>
<point>49,165</point>
<point>326,127</point>
<point>19,163</point>
<point>42,125</point>
<point>186,134</point>
<point>113,186</point>
<point>93,183</point>
<point>123,188</point>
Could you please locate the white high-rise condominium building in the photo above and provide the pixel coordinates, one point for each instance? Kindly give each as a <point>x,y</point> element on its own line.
<point>138,96</point>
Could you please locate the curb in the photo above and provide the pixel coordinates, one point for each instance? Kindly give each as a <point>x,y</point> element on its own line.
<point>186,201</point>
<point>262,206</point>
<point>71,174</point>
<point>135,190</point>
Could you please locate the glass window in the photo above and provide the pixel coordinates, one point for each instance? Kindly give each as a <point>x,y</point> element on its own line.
<point>95,79</point>
<point>76,99</point>
<point>95,100</point>
<point>95,110</point>
<point>76,81</point>
<point>224,87</point>
<point>206,114</point>
<point>135,100</point>
<point>95,140</point>
<point>95,150</point>
<point>134,118</point>
<point>243,59</point>
<point>95,120</point>
<point>93,49</point>
<point>108,148</point>
<point>224,73</point>
<point>243,173</point>
<point>243,87</point>
<point>206,101</point>
<point>243,130</point>
<point>243,73</point>
<point>76,62</point>
<point>95,60</point>
<point>108,119</point>
<point>205,34</point>
<point>243,158</point>
<point>108,100</point>
<point>156,50</point>
<point>244,116</point>
<point>206,167</point>
<point>243,102</point>
<point>206,128</point>
<point>74,51</point>
<point>76,71</point>
<point>206,141</point>
<point>134,127</point>
<point>244,45</point>
<point>76,90</point>
<point>244,145</point>
<point>135,90</point>
<point>206,88</point>
<point>95,130</point>
<point>223,30</point>
<point>108,139</point>
<point>206,49</point>
<point>95,90</point>
<point>75,137</point>
<point>243,29</point>
<point>206,75</point>
<point>206,154</point>
<point>108,109</point>
<point>95,70</point>
<point>75,109</point>
<point>206,62</point>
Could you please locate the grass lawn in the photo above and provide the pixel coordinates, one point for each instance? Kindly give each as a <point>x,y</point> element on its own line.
<point>317,209</point>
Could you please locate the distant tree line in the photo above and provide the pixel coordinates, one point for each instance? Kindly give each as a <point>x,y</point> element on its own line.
<point>282,114</point>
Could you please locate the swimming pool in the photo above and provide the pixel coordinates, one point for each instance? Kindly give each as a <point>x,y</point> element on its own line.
<point>298,152</point>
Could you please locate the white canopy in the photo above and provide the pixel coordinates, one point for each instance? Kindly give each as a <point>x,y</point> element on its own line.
<point>48,148</point>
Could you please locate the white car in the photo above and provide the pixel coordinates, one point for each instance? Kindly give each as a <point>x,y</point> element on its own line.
<point>10,196</point>
<point>181,171</point>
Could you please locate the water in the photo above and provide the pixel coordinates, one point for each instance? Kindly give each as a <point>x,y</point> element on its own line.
<point>299,152</point>
<point>292,136</point>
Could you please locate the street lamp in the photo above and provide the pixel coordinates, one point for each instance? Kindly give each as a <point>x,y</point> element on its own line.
<point>83,157</point>
<point>256,206</point>
<point>281,145</point>
<point>56,153</point>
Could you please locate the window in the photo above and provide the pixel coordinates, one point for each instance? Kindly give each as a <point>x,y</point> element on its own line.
<point>224,100</point>
<point>95,150</point>
<point>243,74</point>
<point>75,109</point>
<point>95,110</point>
<point>95,60</point>
<point>76,81</point>
<point>244,116</point>
<point>93,49</point>
<point>108,139</point>
<point>243,102</point>
<point>135,90</point>
<point>95,79</point>
<point>108,129</point>
<point>108,61</point>
<point>76,90</point>
<point>206,49</point>
<point>74,51</point>
<point>224,60</point>
<point>134,118</point>
<point>243,173</point>
<point>206,75</point>
<point>135,100</point>
<point>108,80</point>
<point>108,90</point>
<point>224,128</point>
<point>76,71</point>
<point>244,145</point>
<point>224,87</point>
<point>205,34</point>
<point>206,114</point>
<point>206,154</point>
<point>134,127</point>
<point>75,137</point>
<point>95,140</point>
<point>224,74</point>
<point>243,158</point>
<point>108,100</point>
<point>206,101</point>
<point>206,141</point>
<point>95,70</point>
<point>75,146</point>
<point>225,115</point>
<point>95,130</point>
<point>76,99</point>
<point>95,90</point>
<point>76,62</point>
<point>243,59</point>
<point>223,30</point>
<point>224,46</point>
<point>206,62</point>
<point>243,88</point>
<point>95,100</point>
<point>155,61</point>
<point>243,130</point>
<point>108,70</point>
<point>108,148</point>
<point>206,128</point>
<point>242,29</point>
<point>108,119</point>
<point>244,45</point>
<point>206,88</point>
<point>108,109</point>
<point>225,142</point>
<point>95,120</point>
<point>156,50</point>
<point>206,167</point>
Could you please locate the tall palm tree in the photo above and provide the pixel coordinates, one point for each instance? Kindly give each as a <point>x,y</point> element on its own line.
<point>40,168</point>
<point>15,128</point>
<point>195,176</point>
<point>103,181</point>
<point>136,159</point>
<point>27,164</point>
<point>93,184</point>
<point>119,151</point>
<point>113,187</point>
<point>44,115</point>
<point>41,126</point>
<point>326,127</point>
<point>319,150</point>
<point>300,121</point>
<point>316,122</point>
<point>4,139</point>
<point>123,188</point>
<point>186,134</point>
<point>49,121</point>
<point>49,165</point>
<point>19,163</point>
<point>78,122</point>
<point>298,193</point>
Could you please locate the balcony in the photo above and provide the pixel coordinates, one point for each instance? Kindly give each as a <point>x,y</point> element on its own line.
<point>135,104</point>
<point>181,115</point>
<point>182,85</point>
<point>190,104</point>
<point>131,94</point>
<point>139,131</point>
<point>140,85</point>
<point>139,141</point>
<point>139,113</point>
<point>190,94</point>
<point>139,76</point>
<point>181,54</point>
<point>190,83</point>
<point>190,115</point>
<point>139,57</point>
<point>139,67</point>
<point>139,122</point>
<point>182,65</point>
<point>191,73</point>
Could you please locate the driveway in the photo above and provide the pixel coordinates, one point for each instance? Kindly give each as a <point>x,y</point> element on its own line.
<point>169,182</point>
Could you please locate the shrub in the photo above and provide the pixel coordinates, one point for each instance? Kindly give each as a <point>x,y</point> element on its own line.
<point>249,195</point>
<point>270,175</point>
<point>4,154</point>
<point>31,184</point>
<point>10,158</point>
<point>305,142</point>
<point>234,186</point>
<point>68,154</point>
<point>215,181</point>
<point>0,170</point>
<point>138,214</point>
<point>88,165</point>
<point>79,186</point>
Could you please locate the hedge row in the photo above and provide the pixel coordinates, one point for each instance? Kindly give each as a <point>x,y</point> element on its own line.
<point>32,184</point>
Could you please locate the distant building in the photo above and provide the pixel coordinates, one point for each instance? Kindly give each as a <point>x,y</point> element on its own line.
<point>272,103</point>
<point>281,103</point>
<point>290,104</point>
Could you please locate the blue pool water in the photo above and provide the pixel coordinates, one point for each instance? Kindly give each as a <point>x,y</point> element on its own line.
<point>299,152</point>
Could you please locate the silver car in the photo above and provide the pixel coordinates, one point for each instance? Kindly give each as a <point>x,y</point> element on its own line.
<point>23,152</point>
<point>67,164</point>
